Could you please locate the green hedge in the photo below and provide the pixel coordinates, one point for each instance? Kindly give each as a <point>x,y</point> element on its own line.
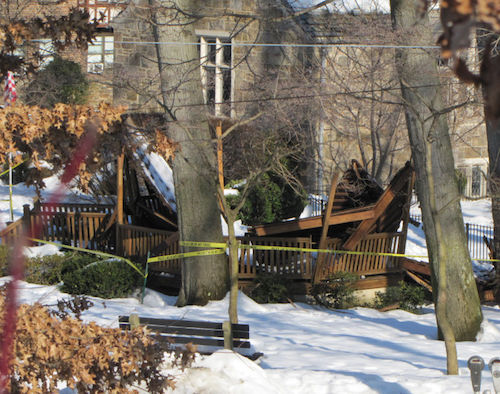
<point>105,278</point>
<point>79,273</point>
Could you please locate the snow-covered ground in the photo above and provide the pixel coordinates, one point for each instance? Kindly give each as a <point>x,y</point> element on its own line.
<point>308,349</point>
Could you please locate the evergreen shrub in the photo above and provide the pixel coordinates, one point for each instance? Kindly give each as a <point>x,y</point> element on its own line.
<point>103,278</point>
<point>269,200</point>
<point>51,269</point>
<point>270,289</point>
<point>410,297</point>
<point>337,292</point>
<point>61,81</point>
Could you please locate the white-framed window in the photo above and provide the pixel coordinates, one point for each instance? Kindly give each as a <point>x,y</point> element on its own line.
<point>46,50</point>
<point>216,73</point>
<point>100,54</point>
<point>475,172</point>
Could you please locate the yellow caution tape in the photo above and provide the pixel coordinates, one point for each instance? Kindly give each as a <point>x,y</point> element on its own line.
<point>293,249</point>
<point>103,254</point>
<point>187,254</point>
<point>11,168</point>
<point>194,244</point>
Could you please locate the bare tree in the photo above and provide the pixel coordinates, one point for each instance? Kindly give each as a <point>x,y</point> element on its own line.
<point>458,310</point>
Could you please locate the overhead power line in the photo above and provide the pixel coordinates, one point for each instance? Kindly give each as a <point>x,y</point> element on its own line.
<point>287,45</point>
<point>311,96</point>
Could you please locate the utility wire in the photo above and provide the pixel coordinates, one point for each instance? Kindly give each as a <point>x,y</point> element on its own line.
<point>286,45</point>
<point>309,96</point>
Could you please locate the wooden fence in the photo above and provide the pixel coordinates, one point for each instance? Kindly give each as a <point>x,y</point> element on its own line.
<point>297,265</point>
<point>365,264</point>
<point>292,264</point>
<point>74,224</point>
<point>136,242</point>
<point>82,225</point>
<point>10,233</point>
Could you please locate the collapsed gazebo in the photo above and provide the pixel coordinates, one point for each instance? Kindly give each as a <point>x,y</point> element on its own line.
<point>361,217</point>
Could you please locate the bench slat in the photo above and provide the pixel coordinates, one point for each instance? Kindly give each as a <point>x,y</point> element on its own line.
<point>191,331</point>
<point>204,341</point>
<point>185,323</point>
<point>194,331</point>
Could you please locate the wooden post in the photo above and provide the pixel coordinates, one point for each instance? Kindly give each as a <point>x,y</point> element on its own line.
<point>406,214</point>
<point>119,203</point>
<point>324,231</point>
<point>228,335</point>
<point>134,321</point>
<point>218,132</point>
<point>119,187</point>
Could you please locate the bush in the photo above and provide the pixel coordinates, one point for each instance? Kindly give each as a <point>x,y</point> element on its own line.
<point>105,278</point>
<point>336,292</point>
<point>271,288</point>
<point>91,359</point>
<point>50,269</point>
<point>45,270</point>
<point>62,81</point>
<point>270,200</point>
<point>4,260</point>
<point>409,297</point>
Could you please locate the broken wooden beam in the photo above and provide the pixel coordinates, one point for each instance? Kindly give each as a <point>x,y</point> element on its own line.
<point>347,216</point>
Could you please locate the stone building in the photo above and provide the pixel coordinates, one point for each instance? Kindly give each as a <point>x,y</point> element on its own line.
<point>320,91</point>
<point>361,99</point>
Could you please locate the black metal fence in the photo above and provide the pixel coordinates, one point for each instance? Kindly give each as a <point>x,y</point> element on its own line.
<point>476,234</point>
<point>317,203</point>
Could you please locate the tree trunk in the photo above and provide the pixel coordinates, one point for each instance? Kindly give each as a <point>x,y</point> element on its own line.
<point>195,173</point>
<point>493,132</point>
<point>458,310</point>
<point>493,137</point>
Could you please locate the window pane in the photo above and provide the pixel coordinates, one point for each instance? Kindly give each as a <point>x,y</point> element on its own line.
<point>108,59</point>
<point>226,74</point>
<point>95,48</point>
<point>476,181</point>
<point>227,54</point>
<point>211,51</point>
<point>94,58</point>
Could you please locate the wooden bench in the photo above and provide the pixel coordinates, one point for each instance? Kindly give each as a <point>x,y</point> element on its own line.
<point>210,334</point>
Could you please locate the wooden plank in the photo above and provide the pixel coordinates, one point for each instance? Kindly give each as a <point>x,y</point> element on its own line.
<point>205,341</point>
<point>324,230</point>
<point>419,280</point>
<point>347,216</point>
<point>156,214</point>
<point>119,187</point>
<point>377,281</point>
<point>415,266</point>
<point>200,332</point>
<point>387,197</point>
<point>237,327</point>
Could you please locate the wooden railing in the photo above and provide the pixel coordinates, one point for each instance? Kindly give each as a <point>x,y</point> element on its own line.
<point>9,234</point>
<point>85,229</point>
<point>73,207</point>
<point>136,242</point>
<point>292,264</point>
<point>364,264</point>
<point>82,225</point>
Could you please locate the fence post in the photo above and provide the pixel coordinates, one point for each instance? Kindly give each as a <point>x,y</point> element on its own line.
<point>26,218</point>
<point>227,328</point>
<point>119,240</point>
